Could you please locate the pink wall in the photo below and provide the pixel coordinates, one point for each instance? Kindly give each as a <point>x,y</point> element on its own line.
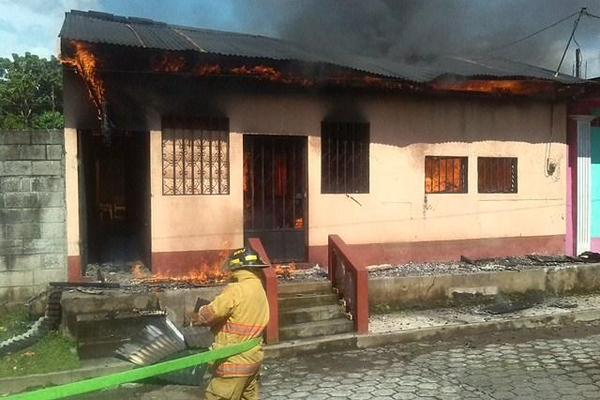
<point>571,212</point>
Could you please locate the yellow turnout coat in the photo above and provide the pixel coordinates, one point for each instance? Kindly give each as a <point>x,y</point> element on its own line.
<point>239,313</point>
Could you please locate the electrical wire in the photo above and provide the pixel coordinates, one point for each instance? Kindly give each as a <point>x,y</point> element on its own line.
<point>504,46</point>
<point>581,13</point>
<point>586,13</point>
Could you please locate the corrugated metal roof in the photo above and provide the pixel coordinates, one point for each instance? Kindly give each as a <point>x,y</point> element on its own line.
<point>96,27</point>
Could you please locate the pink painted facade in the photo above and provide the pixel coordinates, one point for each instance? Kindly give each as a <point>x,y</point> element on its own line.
<point>395,221</point>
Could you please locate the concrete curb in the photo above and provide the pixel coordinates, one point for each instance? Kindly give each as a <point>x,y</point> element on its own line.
<point>445,332</point>
<point>343,341</point>
<point>19,384</point>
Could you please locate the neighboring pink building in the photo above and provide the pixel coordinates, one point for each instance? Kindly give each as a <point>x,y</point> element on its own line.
<point>583,175</point>
<point>202,139</point>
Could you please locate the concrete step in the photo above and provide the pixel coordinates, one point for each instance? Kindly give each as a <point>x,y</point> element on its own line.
<point>310,314</point>
<point>317,328</point>
<point>302,300</point>
<point>288,288</point>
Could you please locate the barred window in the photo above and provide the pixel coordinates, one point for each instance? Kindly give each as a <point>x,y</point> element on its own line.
<point>344,157</point>
<point>195,156</point>
<point>446,174</point>
<point>497,174</point>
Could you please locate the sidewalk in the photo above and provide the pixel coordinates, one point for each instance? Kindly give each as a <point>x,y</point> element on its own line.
<point>449,323</point>
<point>444,317</point>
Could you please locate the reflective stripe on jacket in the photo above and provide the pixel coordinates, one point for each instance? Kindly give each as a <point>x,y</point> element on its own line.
<point>240,313</point>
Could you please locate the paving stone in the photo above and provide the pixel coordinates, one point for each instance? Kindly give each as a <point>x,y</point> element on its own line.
<point>537,369</point>
<point>383,392</point>
<point>430,375</point>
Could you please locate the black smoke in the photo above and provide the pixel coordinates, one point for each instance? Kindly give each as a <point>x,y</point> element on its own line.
<point>419,31</point>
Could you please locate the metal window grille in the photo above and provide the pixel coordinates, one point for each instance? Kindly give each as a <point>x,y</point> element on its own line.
<point>344,157</point>
<point>497,174</point>
<point>195,156</point>
<point>446,174</point>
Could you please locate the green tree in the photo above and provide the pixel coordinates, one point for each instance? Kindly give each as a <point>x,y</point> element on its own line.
<point>30,92</point>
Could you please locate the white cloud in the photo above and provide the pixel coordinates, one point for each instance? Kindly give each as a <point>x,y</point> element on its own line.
<point>33,25</point>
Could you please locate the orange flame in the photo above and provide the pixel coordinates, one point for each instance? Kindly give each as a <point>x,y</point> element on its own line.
<point>270,74</point>
<point>169,62</point>
<point>514,87</point>
<point>285,270</point>
<point>204,275</point>
<point>208,69</point>
<point>258,70</point>
<point>209,272</point>
<point>86,64</point>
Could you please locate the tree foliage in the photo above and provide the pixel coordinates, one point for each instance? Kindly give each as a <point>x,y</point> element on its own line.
<point>30,92</point>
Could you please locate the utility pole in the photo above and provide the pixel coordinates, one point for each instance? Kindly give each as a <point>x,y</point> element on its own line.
<point>581,14</point>
<point>578,62</point>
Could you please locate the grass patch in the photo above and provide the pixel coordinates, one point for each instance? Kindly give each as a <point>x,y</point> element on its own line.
<point>52,353</point>
<point>14,323</point>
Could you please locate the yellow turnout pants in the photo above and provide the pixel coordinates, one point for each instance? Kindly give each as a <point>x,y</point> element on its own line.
<point>233,388</point>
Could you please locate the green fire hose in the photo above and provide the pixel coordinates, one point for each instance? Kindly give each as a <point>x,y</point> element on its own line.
<point>136,374</point>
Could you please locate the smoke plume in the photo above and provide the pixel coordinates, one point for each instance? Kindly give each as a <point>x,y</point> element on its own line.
<point>418,31</point>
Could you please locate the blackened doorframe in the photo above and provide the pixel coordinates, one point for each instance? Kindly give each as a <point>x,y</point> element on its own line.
<point>275,195</point>
<point>115,191</point>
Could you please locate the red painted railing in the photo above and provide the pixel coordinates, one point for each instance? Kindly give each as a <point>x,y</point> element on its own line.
<point>351,280</point>
<point>270,284</point>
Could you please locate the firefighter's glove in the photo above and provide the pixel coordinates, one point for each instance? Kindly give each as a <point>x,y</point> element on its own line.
<point>204,317</point>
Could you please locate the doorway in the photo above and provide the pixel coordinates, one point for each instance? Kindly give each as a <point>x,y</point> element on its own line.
<point>275,195</point>
<point>116,189</point>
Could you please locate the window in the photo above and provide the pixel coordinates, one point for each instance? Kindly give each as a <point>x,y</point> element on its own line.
<point>446,174</point>
<point>497,174</point>
<point>344,157</point>
<point>195,156</point>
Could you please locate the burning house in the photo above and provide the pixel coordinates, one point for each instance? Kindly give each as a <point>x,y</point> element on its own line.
<point>181,143</point>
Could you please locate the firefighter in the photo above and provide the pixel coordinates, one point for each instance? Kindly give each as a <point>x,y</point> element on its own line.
<point>239,313</point>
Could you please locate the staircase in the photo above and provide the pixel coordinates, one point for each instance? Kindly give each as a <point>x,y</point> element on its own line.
<point>310,309</point>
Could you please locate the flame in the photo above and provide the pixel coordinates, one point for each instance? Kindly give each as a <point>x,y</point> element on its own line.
<point>285,270</point>
<point>443,175</point>
<point>514,87</point>
<point>208,69</point>
<point>261,71</point>
<point>204,275</point>
<point>270,74</point>
<point>169,63</point>
<point>86,64</point>
<point>209,272</point>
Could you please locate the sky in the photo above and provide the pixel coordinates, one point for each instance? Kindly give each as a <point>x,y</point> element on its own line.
<point>408,30</point>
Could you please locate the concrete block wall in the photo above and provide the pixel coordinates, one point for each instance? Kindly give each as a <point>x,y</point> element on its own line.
<point>32,212</point>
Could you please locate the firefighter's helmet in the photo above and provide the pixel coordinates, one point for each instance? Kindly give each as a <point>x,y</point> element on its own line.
<point>244,258</point>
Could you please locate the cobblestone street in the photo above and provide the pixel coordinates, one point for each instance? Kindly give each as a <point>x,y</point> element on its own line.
<point>538,369</point>
<point>560,364</point>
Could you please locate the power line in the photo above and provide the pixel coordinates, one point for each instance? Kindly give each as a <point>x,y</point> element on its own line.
<point>501,47</point>
<point>581,13</point>
<point>591,15</point>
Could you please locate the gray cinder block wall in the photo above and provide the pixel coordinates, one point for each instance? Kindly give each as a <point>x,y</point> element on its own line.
<point>32,212</point>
